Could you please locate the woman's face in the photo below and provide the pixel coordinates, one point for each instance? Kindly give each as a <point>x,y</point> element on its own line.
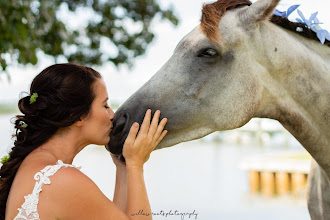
<point>98,123</point>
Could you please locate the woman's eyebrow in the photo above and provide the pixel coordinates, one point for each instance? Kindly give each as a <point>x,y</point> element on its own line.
<point>106,99</point>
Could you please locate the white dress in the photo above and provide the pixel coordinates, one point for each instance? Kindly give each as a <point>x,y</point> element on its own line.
<point>29,211</point>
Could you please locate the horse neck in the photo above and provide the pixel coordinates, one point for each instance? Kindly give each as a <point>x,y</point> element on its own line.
<point>296,92</point>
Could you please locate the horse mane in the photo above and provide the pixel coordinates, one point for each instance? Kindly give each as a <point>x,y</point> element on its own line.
<point>292,26</point>
<point>212,13</point>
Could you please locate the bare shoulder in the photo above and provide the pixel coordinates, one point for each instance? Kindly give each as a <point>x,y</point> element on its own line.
<point>75,196</point>
<point>70,180</point>
<point>69,176</point>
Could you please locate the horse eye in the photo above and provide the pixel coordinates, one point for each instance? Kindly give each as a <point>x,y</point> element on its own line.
<point>208,53</point>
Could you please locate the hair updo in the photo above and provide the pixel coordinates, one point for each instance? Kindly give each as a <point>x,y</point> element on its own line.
<point>65,94</point>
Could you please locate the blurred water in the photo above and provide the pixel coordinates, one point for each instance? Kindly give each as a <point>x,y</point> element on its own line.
<point>198,177</point>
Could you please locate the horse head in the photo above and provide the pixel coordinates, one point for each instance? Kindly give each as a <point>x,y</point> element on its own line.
<point>212,82</point>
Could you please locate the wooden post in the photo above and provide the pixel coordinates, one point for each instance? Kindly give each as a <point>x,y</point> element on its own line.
<point>254,179</point>
<point>298,181</point>
<point>267,183</point>
<point>282,183</point>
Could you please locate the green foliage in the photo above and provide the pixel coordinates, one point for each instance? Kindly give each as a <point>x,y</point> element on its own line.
<point>28,26</point>
<point>8,108</point>
<point>114,106</point>
<point>301,156</point>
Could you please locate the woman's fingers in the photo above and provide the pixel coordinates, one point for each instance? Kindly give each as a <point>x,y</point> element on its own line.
<point>160,128</point>
<point>132,134</point>
<point>154,123</point>
<point>139,144</point>
<point>146,122</point>
<point>160,138</point>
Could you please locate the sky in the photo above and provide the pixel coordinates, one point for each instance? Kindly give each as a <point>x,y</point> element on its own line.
<point>123,82</point>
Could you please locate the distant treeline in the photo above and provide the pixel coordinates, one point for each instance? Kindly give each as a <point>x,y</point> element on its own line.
<point>12,108</point>
<point>114,106</point>
<point>8,108</point>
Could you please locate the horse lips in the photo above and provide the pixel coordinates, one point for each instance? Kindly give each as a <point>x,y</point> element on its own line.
<point>117,138</point>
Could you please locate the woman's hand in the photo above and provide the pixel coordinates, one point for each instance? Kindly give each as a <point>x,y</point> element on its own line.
<point>139,144</point>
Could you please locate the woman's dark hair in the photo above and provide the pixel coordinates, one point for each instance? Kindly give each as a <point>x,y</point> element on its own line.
<point>65,94</point>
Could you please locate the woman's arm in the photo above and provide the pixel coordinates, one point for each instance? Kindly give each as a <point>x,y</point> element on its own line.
<point>137,194</point>
<point>137,151</point>
<point>120,194</point>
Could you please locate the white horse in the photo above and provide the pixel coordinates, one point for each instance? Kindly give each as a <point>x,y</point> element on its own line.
<point>234,66</point>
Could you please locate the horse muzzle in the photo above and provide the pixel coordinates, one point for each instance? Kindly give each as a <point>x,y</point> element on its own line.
<point>122,122</point>
<point>118,135</point>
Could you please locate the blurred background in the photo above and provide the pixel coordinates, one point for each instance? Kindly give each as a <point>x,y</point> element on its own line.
<point>255,172</point>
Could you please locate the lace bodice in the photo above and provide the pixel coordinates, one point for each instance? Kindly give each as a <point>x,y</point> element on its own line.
<point>29,211</point>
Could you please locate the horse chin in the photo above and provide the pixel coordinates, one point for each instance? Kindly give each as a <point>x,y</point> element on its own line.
<point>115,145</point>
<point>183,136</point>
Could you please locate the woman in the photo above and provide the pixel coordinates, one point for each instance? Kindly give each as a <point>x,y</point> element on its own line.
<point>67,110</point>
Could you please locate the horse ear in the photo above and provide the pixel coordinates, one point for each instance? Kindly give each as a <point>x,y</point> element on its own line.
<point>258,11</point>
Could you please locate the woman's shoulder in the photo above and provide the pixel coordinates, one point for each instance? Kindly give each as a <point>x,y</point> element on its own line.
<point>60,174</point>
<point>70,193</point>
<point>58,178</point>
<point>71,177</point>
<point>69,190</point>
<point>75,196</point>
<point>34,171</point>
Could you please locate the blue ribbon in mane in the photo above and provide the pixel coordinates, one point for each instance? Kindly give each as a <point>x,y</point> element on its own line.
<point>312,23</point>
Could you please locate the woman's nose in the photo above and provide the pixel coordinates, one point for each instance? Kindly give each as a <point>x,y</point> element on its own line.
<point>111,114</point>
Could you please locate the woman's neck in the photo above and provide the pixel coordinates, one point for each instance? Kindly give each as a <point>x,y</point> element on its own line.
<point>64,145</point>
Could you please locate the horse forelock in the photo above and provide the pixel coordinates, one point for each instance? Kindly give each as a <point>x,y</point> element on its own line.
<point>212,13</point>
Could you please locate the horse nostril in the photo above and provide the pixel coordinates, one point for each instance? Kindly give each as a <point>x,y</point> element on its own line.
<point>119,125</point>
